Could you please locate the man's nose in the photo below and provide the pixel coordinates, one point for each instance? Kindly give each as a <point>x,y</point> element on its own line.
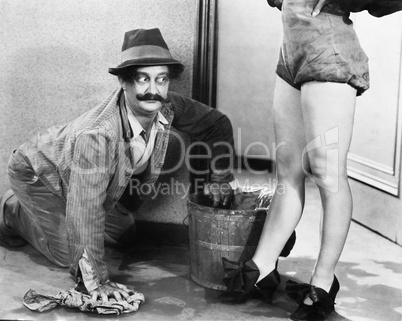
<point>152,89</point>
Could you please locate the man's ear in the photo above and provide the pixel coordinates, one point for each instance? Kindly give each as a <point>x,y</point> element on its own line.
<point>122,83</point>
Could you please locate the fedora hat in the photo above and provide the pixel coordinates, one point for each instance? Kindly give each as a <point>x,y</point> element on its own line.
<point>145,47</point>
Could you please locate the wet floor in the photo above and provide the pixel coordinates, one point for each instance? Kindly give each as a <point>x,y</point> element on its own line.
<point>370,273</point>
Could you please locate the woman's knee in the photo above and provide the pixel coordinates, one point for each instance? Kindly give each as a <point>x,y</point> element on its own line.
<point>327,170</point>
<point>290,167</point>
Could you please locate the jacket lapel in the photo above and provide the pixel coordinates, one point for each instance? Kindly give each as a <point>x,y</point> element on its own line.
<point>161,143</point>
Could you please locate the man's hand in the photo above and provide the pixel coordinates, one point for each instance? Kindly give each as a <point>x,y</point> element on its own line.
<point>318,7</point>
<point>111,289</point>
<point>220,193</point>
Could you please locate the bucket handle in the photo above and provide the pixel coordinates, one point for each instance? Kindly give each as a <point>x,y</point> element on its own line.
<point>184,220</point>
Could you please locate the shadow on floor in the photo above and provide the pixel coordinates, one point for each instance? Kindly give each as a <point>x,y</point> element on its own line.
<point>162,274</point>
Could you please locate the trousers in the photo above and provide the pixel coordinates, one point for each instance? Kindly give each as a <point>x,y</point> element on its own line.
<point>39,216</point>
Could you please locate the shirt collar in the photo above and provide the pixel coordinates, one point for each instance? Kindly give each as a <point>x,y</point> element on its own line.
<point>161,119</point>
<point>136,126</point>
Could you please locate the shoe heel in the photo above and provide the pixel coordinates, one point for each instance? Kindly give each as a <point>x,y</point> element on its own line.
<point>323,302</point>
<point>267,286</point>
<point>333,291</point>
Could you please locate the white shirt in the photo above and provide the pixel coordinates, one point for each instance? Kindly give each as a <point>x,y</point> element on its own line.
<point>141,149</point>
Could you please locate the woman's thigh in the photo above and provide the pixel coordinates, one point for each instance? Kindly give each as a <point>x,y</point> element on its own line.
<point>289,130</point>
<point>328,114</point>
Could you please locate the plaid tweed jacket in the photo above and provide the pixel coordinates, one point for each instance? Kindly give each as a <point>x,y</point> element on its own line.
<point>88,163</point>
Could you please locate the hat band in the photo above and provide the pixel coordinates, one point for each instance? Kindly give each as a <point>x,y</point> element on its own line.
<point>141,52</point>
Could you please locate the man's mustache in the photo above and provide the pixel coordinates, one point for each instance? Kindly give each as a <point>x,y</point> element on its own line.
<point>149,96</point>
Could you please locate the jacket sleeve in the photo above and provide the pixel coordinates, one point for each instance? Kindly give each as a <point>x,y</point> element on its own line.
<point>85,215</point>
<point>377,8</point>
<point>208,125</point>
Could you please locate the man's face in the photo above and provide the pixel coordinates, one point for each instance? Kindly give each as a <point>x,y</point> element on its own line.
<point>149,84</point>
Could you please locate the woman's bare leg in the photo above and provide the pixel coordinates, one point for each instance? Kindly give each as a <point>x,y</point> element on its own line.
<point>288,201</point>
<point>328,113</point>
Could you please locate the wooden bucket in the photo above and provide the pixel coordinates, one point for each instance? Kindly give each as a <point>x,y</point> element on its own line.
<point>217,233</point>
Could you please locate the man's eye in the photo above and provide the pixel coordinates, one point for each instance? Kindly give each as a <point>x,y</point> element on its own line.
<point>142,79</point>
<point>162,80</point>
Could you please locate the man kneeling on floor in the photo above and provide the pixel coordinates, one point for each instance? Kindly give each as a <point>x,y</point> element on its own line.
<point>66,183</point>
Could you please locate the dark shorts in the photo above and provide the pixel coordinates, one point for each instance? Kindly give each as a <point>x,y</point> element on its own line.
<point>324,48</point>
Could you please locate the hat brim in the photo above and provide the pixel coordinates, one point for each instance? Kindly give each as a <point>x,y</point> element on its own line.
<point>148,62</point>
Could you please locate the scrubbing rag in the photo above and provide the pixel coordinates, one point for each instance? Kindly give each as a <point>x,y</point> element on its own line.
<point>74,299</point>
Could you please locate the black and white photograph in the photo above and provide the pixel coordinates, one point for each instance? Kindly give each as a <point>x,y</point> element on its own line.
<point>201,160</point>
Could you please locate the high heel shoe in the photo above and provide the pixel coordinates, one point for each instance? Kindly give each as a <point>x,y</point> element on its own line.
<point>323,302</point>
<point>240,280</point>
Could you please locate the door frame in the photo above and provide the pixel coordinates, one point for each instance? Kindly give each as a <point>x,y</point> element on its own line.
<point>205,57</point>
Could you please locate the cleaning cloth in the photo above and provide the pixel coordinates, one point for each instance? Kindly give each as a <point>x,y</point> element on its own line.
<point>74,299</point>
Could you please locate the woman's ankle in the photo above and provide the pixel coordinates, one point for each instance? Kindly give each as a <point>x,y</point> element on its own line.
<point>322,279</point>
<point>264,269</point>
